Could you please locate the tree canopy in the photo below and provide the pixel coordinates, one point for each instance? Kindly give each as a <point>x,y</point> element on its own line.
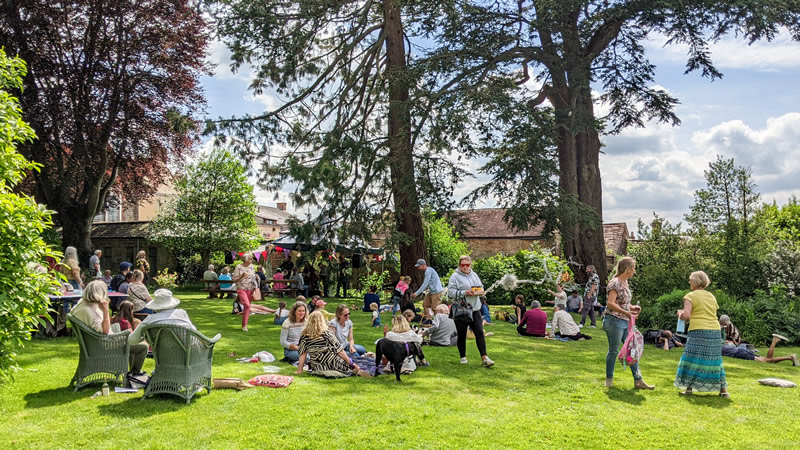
<point>111,92</point>
<point>214,209</point>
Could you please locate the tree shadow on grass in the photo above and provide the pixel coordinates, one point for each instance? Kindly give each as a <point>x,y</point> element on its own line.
<point>56,396</point>
<point>708,400</point>
<point>631,396</point>
<point>135,407</point>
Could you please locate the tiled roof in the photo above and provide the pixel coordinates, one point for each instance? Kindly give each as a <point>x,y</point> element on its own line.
<point>272,213</point>
<point>616,237</point>
<point>489,224</point>
<point>120,230</point>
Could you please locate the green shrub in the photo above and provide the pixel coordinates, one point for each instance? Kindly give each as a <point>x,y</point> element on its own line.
<point>24,283</point>
<point>375,277</point>
<point>526,265</point>
<point>444,246</point>
<point>756,317</point>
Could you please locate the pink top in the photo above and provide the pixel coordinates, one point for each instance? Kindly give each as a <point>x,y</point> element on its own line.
<point>401,286</point>
<point>278,276</point>
<point>535,321</point>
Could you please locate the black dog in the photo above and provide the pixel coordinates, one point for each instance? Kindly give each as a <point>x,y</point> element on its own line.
<point>396,353</point>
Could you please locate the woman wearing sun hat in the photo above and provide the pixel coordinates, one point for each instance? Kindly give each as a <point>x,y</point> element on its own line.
<point>164,305</point>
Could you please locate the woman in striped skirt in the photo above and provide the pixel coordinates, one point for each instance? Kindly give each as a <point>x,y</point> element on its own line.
<point>700,368</point>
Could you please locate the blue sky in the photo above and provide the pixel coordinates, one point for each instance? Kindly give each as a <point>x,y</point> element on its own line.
<point>752,114</point>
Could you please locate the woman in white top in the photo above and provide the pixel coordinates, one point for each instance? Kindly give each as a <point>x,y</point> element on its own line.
<point>93,311</point>
<point>559,297</point>
<point>291,330</point>
<point>245,278</point>
<point>402,332</point>
<point>342,328</point>
<point>461,285</point>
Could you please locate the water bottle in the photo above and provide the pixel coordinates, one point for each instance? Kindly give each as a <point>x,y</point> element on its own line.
<point>105,390</point>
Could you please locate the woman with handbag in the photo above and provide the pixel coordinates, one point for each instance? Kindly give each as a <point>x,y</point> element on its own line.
<point>465,287</point>
<point>617,321</point>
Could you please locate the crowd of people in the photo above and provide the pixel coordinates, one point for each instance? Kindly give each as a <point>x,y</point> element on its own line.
<point>325,343</point>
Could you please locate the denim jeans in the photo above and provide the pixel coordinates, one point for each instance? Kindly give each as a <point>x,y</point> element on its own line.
<point>360,350</point>
<point>396,306</point>
<point>292,355</point>
<point>617,330</point>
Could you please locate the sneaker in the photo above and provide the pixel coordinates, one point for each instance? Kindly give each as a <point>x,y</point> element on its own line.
<point>794,361</point>
<point>609,382</point>
<point>580,325</point>
<point>464,360</point>
<point>783,338</point>
<point>244,328</point>
<point>592,326</point>
<point>488,362</point>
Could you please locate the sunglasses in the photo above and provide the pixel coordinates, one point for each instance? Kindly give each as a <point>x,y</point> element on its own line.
<point>465,265</point>
<point>346,315</point>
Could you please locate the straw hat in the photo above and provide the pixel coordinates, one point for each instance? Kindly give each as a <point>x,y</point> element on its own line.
<point>163,299</point>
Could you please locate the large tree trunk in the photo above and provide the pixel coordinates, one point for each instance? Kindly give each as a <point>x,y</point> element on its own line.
<point>401,160</point>
<point>76,226</point>
<point>579,178</point>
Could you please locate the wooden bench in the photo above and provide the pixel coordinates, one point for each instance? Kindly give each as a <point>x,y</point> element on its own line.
<point>213,287</point>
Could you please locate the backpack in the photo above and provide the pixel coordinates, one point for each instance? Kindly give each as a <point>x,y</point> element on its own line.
<point>631,351</point>
<point>501,315</point>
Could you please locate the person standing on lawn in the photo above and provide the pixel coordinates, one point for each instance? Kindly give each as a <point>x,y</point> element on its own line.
<point>433,284</point>
<point>94,265</point>
<point>618,317</point>
<point>463,283</point>
<point>245,278</point>
<point>590,296</point>
<point>700,368</point>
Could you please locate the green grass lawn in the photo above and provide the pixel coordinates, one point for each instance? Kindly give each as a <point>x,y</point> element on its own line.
<point>538,393</point>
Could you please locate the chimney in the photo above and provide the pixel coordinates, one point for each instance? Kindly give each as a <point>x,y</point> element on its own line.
<point>281,206</point>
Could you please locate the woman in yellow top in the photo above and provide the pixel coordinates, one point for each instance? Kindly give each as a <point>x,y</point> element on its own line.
<point>700,368</point>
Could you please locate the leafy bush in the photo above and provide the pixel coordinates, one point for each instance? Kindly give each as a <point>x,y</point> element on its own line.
<point>444,246</point>
<point>534,265</point>
<point>661,313</point>
<point>167,280</point>
<point>374,277</point>
<point>756,317</point>
<point>24,283</point>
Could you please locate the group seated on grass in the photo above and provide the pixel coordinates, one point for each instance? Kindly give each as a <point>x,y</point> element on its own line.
<point>323,344</point>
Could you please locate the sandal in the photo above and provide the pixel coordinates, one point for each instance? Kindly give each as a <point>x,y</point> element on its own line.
<point>725,394</point>
<point>688,391</point>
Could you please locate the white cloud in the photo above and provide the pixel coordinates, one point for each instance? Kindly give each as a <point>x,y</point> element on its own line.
<point>220,57</point>
<point>663,175</point>
<point>735,53</point>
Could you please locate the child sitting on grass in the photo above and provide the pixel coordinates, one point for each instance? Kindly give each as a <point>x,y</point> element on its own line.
<point>376,317</point>
<point>281,314</point>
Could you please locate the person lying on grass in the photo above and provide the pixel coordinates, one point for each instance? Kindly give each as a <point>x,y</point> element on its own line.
<point>323,353</point>
<point>745,353</point>
<point>668,341</point>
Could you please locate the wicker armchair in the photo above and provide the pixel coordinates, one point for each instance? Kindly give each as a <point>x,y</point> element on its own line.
<point>103,357</point>
<point>183,360</point>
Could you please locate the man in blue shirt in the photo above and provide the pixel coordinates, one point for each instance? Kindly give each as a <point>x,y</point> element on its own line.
<point>434,286</point>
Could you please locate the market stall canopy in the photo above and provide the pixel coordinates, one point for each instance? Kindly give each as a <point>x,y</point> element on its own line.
<point>289,242</point>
